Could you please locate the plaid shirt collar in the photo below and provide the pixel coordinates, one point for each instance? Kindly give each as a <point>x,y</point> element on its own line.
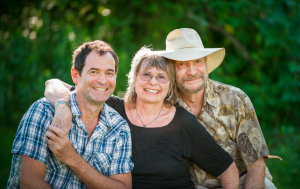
<point>77,113</point>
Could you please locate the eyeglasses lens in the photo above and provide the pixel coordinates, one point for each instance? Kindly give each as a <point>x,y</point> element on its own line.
<point>160,78</point>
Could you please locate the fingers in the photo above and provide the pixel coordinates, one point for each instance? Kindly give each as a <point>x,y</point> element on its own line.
<point>59,132</point>
<point>51,135</point>
<point>52,145</point>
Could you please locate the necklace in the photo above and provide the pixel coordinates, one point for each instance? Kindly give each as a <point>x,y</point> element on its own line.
<point>144,125</point>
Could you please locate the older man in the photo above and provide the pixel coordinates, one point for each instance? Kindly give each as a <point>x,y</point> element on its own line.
<point>96,152</point>
<point>225,111</point>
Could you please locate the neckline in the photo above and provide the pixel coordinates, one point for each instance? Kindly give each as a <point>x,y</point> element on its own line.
<point>129,122</point>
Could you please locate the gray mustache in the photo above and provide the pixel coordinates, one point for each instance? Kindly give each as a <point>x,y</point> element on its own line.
<point>191,77</point>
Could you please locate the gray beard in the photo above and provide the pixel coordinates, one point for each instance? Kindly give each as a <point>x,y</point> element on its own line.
<point>185,89</point>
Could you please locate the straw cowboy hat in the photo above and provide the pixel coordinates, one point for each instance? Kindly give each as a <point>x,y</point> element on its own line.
<point>185,44</point>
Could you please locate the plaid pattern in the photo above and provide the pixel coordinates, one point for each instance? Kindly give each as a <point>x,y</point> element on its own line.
<point>108,150</point>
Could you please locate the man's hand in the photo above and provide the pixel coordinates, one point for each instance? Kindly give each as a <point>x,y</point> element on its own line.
<point>63,150</point>
<point>56,89</point>
<point>60,145</point>
<point>256,174</point>
<point>230,177</point>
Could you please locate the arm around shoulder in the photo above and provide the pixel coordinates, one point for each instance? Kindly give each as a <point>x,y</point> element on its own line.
<point>56,89</point>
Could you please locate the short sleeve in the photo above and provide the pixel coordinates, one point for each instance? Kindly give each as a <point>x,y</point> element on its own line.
<point>205,152</point>
<point>121,159</point>
<point>30,139</point>
<point>250,140</point>
<point>73,88</point>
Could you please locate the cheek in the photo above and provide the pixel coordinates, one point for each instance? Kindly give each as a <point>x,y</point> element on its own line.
<point>167,88</point>
<point>203,70</point>
<point>178,78</point>
<point>112,81</point>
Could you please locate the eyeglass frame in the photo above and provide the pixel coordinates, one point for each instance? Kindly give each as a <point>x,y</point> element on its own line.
<point>151,76</point>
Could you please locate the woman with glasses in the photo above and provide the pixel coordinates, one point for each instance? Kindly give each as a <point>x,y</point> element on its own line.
<point>165,138</point>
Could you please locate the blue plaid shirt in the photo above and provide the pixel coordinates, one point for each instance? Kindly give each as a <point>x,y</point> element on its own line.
<point>108,150</point>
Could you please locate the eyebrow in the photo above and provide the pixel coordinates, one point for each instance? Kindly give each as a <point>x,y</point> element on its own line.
<point>110,69</point>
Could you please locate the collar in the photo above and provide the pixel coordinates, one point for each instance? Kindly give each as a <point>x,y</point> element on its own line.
<point>104,114</point>
<point>210,95</point>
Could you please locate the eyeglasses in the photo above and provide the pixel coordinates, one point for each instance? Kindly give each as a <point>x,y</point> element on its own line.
<point>162,78</point>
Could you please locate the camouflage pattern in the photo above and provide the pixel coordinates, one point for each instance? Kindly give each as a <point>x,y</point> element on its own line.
<point>229,116</point>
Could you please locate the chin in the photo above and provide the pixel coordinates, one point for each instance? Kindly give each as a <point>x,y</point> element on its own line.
<point>150,100</point>
<point>101,99</point>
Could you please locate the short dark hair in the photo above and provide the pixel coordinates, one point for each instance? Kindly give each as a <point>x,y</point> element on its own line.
<point>80,54</point>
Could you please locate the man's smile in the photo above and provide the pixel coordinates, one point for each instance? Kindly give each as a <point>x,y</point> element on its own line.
<point>100,89</point>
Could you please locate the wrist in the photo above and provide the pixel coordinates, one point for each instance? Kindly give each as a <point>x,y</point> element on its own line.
<point>61,102</point>
<point>73,160</point>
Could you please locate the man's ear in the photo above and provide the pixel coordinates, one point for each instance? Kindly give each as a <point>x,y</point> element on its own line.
<point>75,75</point>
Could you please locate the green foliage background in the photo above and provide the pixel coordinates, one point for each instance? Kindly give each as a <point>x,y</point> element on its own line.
<point>261,38</point>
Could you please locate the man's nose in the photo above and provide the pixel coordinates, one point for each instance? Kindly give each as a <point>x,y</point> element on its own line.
<point>191,69</point>
<point>153,80</point>
<point>102,79</point>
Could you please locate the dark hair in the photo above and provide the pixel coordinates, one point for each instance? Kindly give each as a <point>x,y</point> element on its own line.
<point>80,54</point>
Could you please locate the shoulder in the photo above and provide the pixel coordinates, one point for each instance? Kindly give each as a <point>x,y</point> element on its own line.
<point>115,119</point>
<point>37,118</point>
<point>30,134</point>
<point>183,113</point>
<point>40,108</point>
<point>115,102</point>
<point>184,118</point>
<point>222,89</point>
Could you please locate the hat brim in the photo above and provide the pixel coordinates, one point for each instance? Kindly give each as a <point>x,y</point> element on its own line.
<point>215,55</point>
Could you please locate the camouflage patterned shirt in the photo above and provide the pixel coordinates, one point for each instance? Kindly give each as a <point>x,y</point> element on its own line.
<point>229,116</point>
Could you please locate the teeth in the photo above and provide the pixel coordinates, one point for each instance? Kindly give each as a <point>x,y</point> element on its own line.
<point>101,89</point>
<point>151,91</point>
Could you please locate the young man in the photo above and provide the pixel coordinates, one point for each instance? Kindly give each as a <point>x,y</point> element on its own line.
<point>95,152</point>
<point>225,111</point>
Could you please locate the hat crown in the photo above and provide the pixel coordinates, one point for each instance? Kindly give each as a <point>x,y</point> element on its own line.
<point>183,38</point>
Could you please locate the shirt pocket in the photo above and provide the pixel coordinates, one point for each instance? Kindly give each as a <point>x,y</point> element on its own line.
<point>101,162</point>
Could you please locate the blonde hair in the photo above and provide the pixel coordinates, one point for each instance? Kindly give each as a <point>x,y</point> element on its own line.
<point>153,60</point>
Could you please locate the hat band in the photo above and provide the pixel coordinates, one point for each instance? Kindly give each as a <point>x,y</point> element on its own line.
<point>187,47</point>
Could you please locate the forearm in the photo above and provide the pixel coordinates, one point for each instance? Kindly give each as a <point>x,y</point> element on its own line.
<point>34,183</point>
<point>62,118</point>
<point>91,177</point>
<point>32,173</point>
<point>230,178</point>
<point>56,89</point>
<point>256,175</point>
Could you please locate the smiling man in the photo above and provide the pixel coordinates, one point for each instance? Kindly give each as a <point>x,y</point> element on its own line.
<point>225,111</point>
<point>96,152</point>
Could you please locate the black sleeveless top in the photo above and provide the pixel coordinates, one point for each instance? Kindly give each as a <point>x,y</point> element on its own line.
<point>161,155</point>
